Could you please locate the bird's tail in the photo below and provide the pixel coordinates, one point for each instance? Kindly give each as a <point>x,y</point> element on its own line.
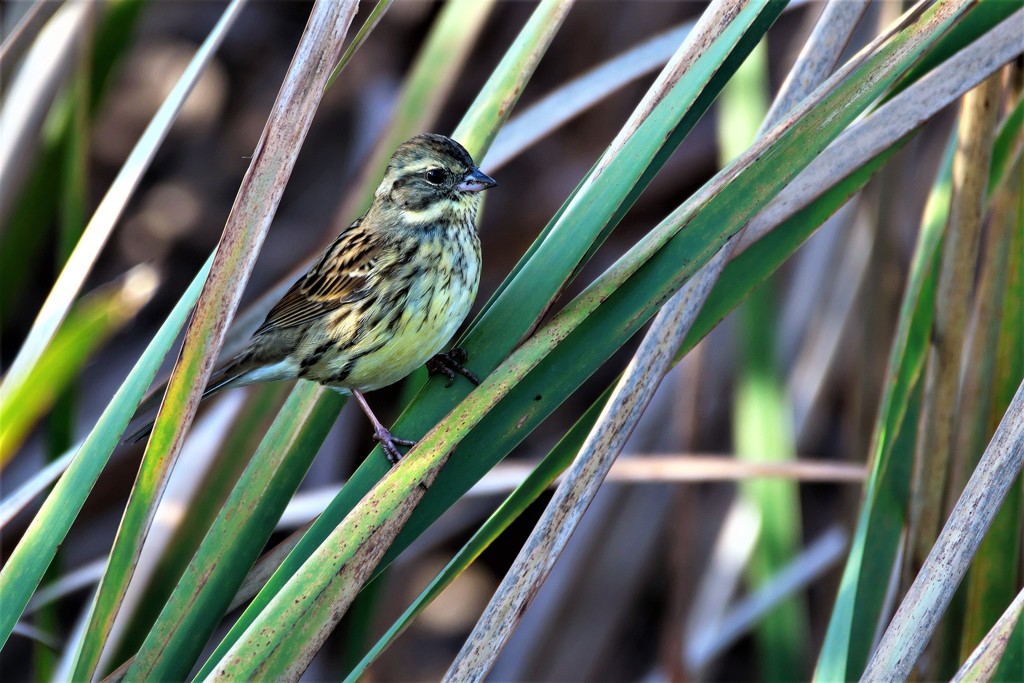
<point>221,379</point>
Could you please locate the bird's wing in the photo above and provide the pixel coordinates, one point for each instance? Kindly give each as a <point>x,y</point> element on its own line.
<point>339,277</point>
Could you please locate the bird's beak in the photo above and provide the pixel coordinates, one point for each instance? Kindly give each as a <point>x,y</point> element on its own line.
<point>476,181</point>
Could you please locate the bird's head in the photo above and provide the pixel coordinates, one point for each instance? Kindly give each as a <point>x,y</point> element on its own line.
<point>431,178</point>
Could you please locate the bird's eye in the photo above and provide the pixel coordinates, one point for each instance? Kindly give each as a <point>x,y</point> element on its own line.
<point>435,176</point>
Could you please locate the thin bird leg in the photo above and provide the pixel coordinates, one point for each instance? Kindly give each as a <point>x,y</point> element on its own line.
<point>387,441</point>
<point>450,364</point>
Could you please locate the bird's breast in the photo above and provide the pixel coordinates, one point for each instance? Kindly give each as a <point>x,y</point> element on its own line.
<point>417,310</point>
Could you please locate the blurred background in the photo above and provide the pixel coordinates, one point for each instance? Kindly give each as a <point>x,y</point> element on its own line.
<point>655,560</point>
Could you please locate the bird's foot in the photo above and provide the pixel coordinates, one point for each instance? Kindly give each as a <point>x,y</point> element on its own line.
<point>450,364</point>
<point>390,444</point>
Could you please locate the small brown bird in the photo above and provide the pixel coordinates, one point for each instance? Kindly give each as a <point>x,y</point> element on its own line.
<point>388,294</point>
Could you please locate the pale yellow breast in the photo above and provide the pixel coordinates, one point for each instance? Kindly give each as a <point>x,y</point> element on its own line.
<point>438,301</point>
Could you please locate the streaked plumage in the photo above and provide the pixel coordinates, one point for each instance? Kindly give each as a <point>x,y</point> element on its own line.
<point>391,290</point>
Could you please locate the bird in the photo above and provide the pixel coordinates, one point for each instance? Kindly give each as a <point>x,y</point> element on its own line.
<point>387,295</point>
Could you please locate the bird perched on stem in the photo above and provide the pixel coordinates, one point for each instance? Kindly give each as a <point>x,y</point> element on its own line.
<point>387,294</point>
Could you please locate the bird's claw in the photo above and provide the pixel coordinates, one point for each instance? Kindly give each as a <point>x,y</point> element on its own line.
<point>450,364</point>
<point>390,443</point>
